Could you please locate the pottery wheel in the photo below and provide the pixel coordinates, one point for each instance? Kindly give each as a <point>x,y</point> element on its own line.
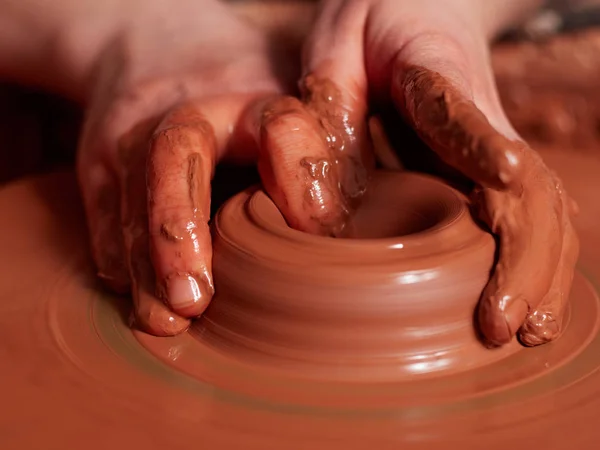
<point>75,376</point>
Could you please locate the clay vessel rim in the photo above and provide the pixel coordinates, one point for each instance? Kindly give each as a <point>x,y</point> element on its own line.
<point>396,242</point>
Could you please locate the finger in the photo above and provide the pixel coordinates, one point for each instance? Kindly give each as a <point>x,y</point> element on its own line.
<point>151,314</point>
<point>180,169</point>
<point>530,240</point>
<point>101,199</point>
<point>435,64</point>
<point>99,171</point>
<point>447,119</point>
<point>439,85</point>
<point>296,166</point>
<point>334,88</point>
<point>545,323</point>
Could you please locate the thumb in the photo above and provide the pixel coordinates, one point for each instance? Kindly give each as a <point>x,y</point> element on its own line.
<point>453,104</point>
<point>436,66</point>
<point>447,118</point>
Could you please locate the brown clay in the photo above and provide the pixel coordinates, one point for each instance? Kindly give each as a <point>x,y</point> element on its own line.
<point>183,139</point>
<point>463,136</point>
<point>361,307</point>
<point>521,201</point>
<point>344,133</point>
<point>75,375</point>
<point>317,204</point>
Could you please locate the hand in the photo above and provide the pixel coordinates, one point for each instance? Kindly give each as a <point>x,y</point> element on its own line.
<point>432,60</point>
<point>176,90</point>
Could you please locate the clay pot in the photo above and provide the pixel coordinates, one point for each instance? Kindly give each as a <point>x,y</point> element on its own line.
<point>401,292</point>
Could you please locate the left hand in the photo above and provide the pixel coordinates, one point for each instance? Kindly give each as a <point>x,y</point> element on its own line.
<point>177,89</point>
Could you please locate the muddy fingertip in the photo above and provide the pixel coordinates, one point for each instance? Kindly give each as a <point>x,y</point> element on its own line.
<point>158,320</point>
<point>539,328</point>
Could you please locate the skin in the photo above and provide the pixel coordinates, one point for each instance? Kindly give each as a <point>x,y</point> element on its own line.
<point>156,128</point>
<point>163,108</point>
<point>418,53</point>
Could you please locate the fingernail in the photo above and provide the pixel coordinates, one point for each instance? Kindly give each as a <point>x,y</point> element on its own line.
<point>187,295</point>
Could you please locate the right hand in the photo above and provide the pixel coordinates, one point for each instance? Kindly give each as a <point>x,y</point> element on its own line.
<point>431,59</point>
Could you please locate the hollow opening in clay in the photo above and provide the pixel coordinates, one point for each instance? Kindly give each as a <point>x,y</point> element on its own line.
<point>379,221</point>
<point>372,305</point>
<point>389,210</point>
<point>393,206</point>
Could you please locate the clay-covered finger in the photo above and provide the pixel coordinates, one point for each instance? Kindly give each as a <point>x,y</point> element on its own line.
<point>530,244</point>
<point>296,167</point>
<point>179,172</point>
<point>455,128</point>
<point>545,323</point>
<point>151,314</point>
<point>102,199</point>
<point>335,88</point>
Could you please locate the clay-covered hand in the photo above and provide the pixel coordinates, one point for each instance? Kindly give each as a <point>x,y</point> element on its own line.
<point>176,90</point>
<point>432,59</point>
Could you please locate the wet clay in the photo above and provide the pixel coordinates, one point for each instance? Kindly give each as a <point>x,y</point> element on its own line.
<point>405,280</point>
<point>344,132</point>
<point>78,374</point>
<point>179,235</point>
<point>334,170</point>
<point>446,119</point>
<point>314,155</point>
<point>518,197</point>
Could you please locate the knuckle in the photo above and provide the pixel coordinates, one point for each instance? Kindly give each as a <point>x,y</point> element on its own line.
<point>429,43</point>
<point>282,110</point>
<point>278,142</point>
<point>179,137</point>
<point>174,209</point>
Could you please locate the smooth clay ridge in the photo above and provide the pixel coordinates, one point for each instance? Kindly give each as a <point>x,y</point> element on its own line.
<point>396,300</point>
